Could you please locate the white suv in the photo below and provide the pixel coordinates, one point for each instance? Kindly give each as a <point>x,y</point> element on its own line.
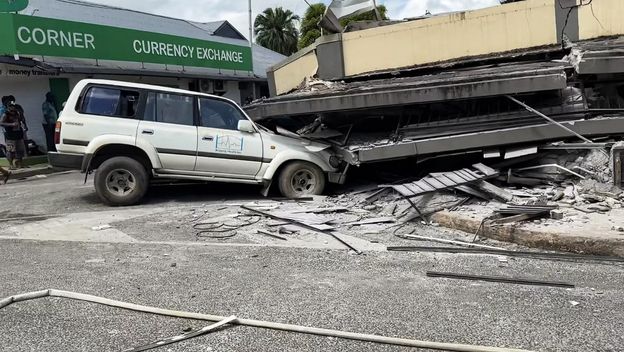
<point>132,133</point>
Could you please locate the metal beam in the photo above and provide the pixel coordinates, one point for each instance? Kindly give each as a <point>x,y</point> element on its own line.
<point>481,140</point>
<point>601,65</point>
<point>500,279</point>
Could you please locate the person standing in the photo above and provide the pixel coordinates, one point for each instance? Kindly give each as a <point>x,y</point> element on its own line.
<point>14,135</point>
<point>50,115</point>
<point>5,102</point>
<point>5,175</point>
<point>22,122</point>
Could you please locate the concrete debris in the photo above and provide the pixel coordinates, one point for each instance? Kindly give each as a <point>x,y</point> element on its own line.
<point>495,192</point>
<point>599,207</point>
<point>101,227</point>
<point>317,224</point>
<point>384,220</point>
<point>499,279</point>
<point>270,234</point>
<point>556,214</point>
<point>557,196</point>
<point>592,198</point>
<point>289,229</point>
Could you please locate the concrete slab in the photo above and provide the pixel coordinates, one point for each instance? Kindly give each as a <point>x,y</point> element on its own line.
<point>577,232</point>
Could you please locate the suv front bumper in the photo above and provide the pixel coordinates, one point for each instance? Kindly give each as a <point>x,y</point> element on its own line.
<point>65,160</point>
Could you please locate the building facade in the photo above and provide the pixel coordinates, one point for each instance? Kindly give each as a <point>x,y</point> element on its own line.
<point>53,44</point>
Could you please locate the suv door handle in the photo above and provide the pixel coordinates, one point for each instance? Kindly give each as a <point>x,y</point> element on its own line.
<point>208,138</point>
<point>148,132</point>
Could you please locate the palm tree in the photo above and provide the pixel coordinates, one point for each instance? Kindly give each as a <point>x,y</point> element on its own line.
<point>276,29</point>
<point>310,29</point>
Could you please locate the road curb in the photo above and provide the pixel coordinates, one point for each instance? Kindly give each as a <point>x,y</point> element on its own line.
<point>514,233</point>
<point>26,173</point>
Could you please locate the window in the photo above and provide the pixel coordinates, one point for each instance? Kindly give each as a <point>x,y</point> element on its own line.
<point>110,102</point>
<point>219,114</point>
<point>169,108</point>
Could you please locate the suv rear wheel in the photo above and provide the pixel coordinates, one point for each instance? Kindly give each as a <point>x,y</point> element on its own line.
<point>121,181</point>
<point>300,179</point>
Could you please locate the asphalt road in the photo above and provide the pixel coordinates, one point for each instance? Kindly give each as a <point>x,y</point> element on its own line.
<point>384,293</point>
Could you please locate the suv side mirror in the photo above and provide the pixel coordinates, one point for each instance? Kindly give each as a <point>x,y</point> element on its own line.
<point>246,126</point>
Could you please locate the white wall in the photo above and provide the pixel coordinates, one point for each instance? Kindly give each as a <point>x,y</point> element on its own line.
<point>30,94</point>
<point>232,91</point>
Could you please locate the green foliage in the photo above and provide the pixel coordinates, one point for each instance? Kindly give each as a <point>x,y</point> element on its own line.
<point>366,16</point>
<point>276,29</point>
<point>310,30</point>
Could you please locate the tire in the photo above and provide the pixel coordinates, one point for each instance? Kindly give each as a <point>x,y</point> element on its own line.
<point>121,181</point>
<point>300,179</point>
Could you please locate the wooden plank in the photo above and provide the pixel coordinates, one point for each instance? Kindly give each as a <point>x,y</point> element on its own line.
<point>476,174</point>
<point>456,178</point>
<point>414,188</point>
<point>434,183</point>
<point>466,175</point>
<point>488,171</point>
<point>425,186</point>
<point>473,192</point>
<point>494,191</point>
<point>404,191</point>
<point>446,181</point>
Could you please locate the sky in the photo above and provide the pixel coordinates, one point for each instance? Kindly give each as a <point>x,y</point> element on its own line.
<point>236,11</point>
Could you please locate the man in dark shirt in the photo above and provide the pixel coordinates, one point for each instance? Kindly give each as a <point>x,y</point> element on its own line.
<point>13,135</point>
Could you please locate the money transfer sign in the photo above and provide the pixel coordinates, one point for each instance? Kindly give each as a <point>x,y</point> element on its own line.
<point>30,35</point>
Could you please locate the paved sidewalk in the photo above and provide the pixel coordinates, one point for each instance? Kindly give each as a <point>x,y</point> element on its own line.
<point>577,232</point>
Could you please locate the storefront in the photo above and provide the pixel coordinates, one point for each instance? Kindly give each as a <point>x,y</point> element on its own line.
<point>62,42</point>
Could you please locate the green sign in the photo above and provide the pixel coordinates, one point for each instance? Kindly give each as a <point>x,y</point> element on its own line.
<point>13,5</point>
<point>30,35</point>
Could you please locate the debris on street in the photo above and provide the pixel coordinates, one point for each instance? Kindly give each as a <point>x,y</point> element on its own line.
<point>499,279</point>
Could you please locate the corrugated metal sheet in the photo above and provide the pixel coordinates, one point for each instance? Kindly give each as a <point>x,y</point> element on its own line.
<point>445,180</point>
<point>80,11</point>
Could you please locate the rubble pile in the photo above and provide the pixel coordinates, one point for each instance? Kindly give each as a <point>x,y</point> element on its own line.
<point>554,187</point>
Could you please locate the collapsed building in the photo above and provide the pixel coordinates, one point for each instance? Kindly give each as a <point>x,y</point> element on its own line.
<point>494,80</point>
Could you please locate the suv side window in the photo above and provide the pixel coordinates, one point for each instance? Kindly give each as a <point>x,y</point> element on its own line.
<point>109,101</point>
<point>216,113</point>
<point>170,108</point>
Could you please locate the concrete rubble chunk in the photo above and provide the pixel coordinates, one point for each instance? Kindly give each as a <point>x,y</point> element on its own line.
<point>592,198</point>
<point>569,192</point>
<point>558,195</point>
<point>556,214</point>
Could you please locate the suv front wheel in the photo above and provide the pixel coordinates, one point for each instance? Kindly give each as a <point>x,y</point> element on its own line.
<point>300,179</point>
<point>121,181</point>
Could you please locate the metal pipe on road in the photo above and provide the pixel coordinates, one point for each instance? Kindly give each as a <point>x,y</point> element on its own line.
<point>257,323</point>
